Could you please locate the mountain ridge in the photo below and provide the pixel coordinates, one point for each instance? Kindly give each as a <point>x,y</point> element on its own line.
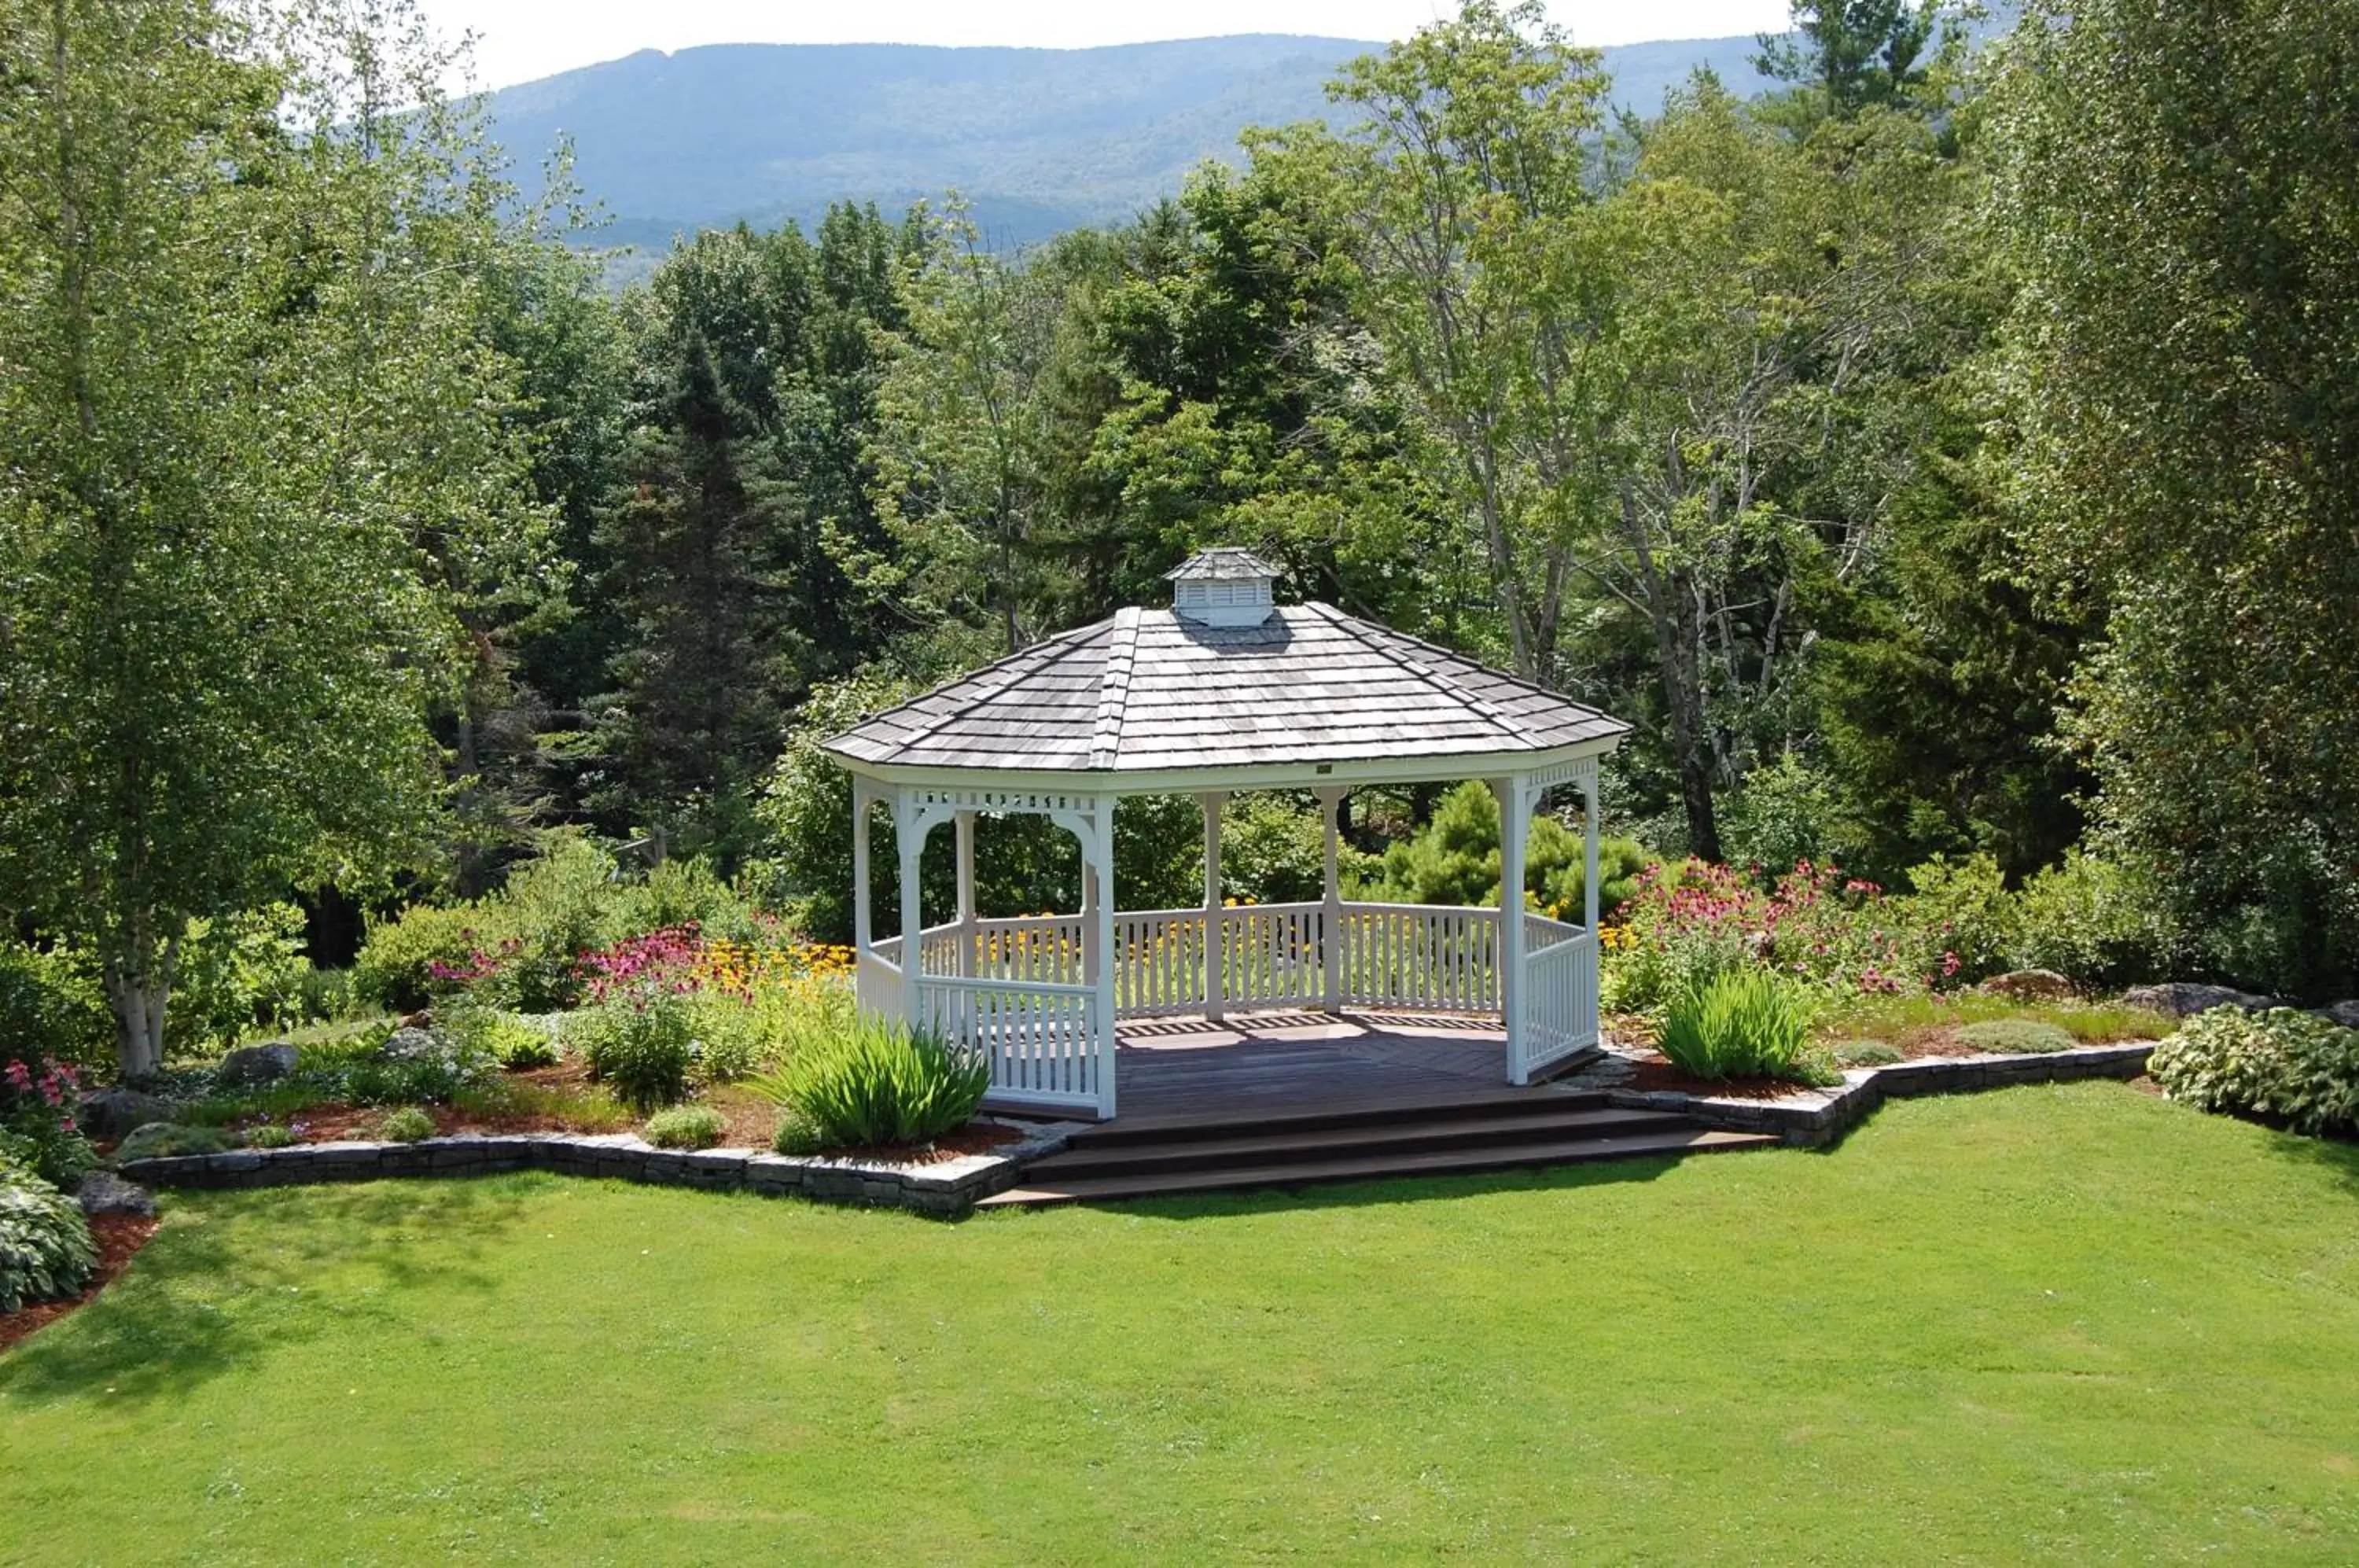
<point>1037,139</point>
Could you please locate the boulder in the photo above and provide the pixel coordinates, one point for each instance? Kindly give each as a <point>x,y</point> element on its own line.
<point>255,1064</point>
<point>105,1193</point>
<point>2029,986</point>
<point>111,1112</point>
<point>408,1045</point>
<point>2343,1013</point>
<point>2185,998</point>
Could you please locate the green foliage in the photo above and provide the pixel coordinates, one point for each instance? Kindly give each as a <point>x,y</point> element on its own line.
<point>1963,921</point>
<point>51,1005</point>
<point>1454,859</point>
<point>406,1125</point>
<point>432,1078</point>
<point>2102,920</point>
<point>2177,188</point>
<point>260,330</point>
<point>46,1249</point>
<point>1910,1014</point>
<point>1786,812</point>
<point>1864,1053</point>
<point>37,1120</point>
<point>1745,1023</point>
<point>236,971</point>
<point>877,1084</point>
<point>1273,850</point>
<point>270,1135</point>
<point>641,1044</point>
<point>2015,1037</point>
<point>2284,1066</point>
<point>487,1032</point>
<point>164,1140</point>
<point>798,1135</point>
<point>685,1127</point>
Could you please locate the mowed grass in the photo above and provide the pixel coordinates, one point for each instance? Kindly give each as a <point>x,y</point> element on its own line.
<point>2074,1324</point>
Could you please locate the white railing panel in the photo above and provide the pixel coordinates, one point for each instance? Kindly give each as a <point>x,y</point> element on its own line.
<point>1044,948</point>
<point>1158,963</point>
<point>1436,956</point>
<point>876,981</point>
<point>1270,955</point>
<point>1560,1001</point>
<point>1037,1037</point>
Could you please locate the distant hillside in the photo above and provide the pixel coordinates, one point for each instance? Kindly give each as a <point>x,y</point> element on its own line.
<point>1040,140</point>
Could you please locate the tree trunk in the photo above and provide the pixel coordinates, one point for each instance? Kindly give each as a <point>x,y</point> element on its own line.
<point>138,988</point>
<point>1682,693</point>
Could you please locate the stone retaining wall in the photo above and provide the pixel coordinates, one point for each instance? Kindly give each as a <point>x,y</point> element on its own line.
<point>948,1188</point>
<point>1813,1117</point>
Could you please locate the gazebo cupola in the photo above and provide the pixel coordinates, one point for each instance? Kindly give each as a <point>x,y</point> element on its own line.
<point>1224,588</point>
<point>1225,690</point>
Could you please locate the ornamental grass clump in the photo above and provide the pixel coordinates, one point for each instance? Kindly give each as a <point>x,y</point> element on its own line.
<point>46,1249</point>
<point>1741,1023</point>
<point>876,1084</point>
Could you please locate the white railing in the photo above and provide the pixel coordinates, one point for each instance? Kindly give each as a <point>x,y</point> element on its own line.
<point>1039,1037</point>
<point>1420,955</point>
<point>1560,1001</point>
<point>1271,955</point>
<point>1158,963</point>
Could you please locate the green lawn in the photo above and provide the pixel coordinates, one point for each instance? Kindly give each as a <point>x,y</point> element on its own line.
<point>2070,1324</point>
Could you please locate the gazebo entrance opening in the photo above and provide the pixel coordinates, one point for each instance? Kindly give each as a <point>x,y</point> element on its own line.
<point>1227,691</point>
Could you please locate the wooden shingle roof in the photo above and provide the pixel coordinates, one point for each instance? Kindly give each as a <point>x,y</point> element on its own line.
<point>1148,692</point>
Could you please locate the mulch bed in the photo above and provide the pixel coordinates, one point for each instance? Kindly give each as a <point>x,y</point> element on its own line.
<point>1652,1074</point>
<point>118,1237</point>
<point>976,1138</point>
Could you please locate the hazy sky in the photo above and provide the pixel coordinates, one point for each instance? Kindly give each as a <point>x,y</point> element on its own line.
<point>520,39</point>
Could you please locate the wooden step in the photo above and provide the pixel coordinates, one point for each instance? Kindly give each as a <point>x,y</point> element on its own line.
<point>1521,1123</point>
<point>1244,1121</point>
<point>1567,1151</point>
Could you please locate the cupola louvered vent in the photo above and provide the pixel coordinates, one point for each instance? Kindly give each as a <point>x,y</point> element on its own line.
<point>1224,588</point>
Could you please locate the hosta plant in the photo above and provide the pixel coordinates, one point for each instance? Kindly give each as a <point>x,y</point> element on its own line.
<point>45,1246</point>
<point>2286,1066</point>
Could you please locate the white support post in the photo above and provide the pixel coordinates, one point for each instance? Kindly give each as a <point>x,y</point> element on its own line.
<point>1330,914</point>
<point>1515,827</point>
<point>968,931</point>
<point>1216,975</point>
<point>863,938</point>
<point>1098,942</point>
<point>1588,850</point>
<point>910,834</point>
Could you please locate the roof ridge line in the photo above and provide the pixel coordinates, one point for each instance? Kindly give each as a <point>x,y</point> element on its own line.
<point>1073,641</point>
<point>1350,626</point>
<point>1551,694</point>
<point>1114,696</point>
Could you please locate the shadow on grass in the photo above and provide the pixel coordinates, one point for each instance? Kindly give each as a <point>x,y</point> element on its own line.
<point>224,1279</point>
<point>2339,1158</point>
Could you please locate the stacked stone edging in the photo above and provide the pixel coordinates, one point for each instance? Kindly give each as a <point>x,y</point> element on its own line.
<point>1812,1118</point>
<point>947,1189</point>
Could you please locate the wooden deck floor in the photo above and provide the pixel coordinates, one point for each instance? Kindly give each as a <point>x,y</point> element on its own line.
<point>1270,1063</point>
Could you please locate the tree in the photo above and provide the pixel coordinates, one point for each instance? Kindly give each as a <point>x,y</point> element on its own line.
<point>958,445</point>
<point>243,379</point>
<point>1856,54</point>
<point>2179,187</point>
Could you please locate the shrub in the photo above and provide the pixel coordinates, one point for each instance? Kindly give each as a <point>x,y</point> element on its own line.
<point>1745,1023</point>
<point>798,1135</point>
<point>37,1121</point>
<point>51,1005</point>
<point>1962,920</point>
<point>46,1249</point>
<point>1864,1053</point>
<point>233,974</point>
<point>495,1036</point>
<point>877,1083</point>
<point>432,1078</point>
<point>642,1044</point>
<point>270,1135</point>
<point>2292,1067</point>
<point>405,961</point>
<point>163,1140</point>
<point>685,1127</point>
<point>2015,1037</point>
<point>405,1124</point>
<point>2100,921</point>
<point>1455,859</point>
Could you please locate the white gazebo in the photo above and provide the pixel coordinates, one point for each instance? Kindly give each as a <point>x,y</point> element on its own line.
<point>1227,691</point>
